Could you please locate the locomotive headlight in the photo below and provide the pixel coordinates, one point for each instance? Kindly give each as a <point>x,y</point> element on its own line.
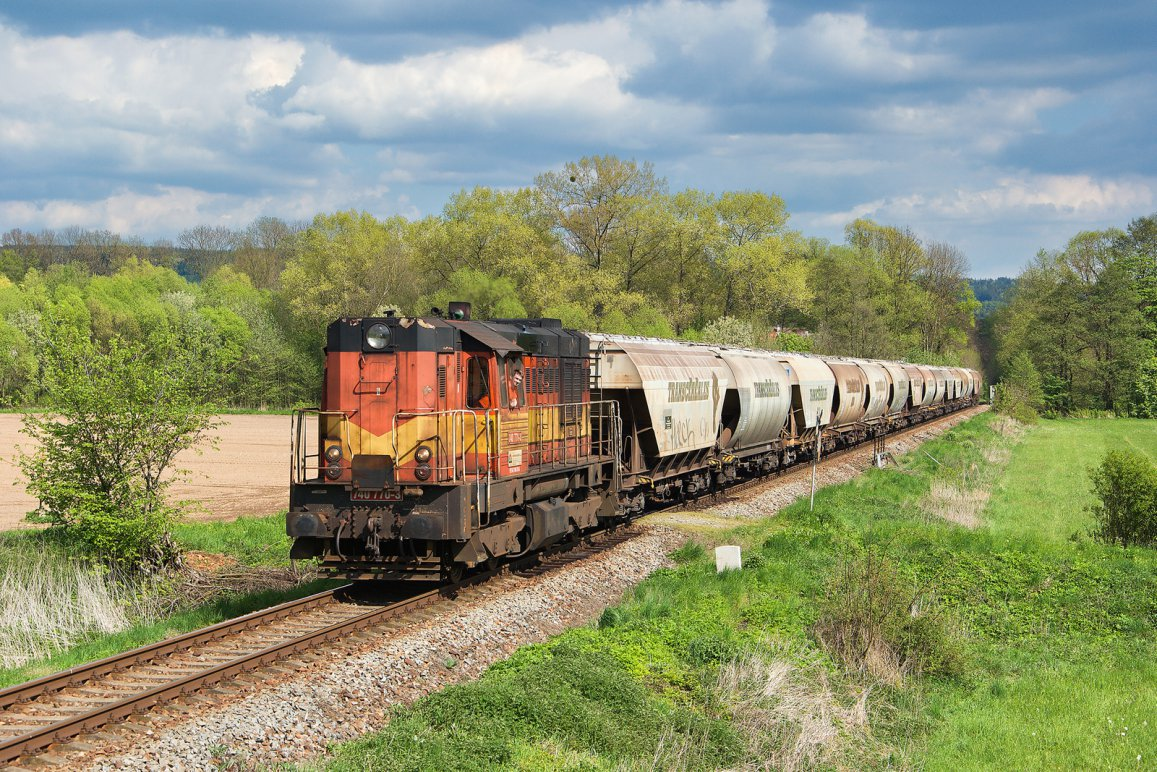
<point>378,336</point>
<point>333,453</point>
<point>333,470</point>
<point>422,454</point>
<point>422,472</point>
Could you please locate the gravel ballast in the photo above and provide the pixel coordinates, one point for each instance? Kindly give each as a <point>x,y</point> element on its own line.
<point>295,719</point>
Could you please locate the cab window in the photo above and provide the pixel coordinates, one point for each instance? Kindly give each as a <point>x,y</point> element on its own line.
<point>514,390</point>
<point>478,383</point>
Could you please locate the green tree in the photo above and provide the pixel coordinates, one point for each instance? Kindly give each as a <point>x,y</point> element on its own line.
<point>117,415</point>
<point>592,200</point>
<point>852,312</point>
<point>347,264</point>
<point>489,297</point>
<point>1020,394</point>
<point>729,331</point>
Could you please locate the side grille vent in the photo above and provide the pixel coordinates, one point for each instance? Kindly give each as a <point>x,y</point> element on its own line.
<point>441,380</point>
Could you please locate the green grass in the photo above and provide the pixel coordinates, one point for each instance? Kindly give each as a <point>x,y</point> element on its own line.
<point>1046,489</point>
<point>1097,713</point>
<point>1053,643</point>
<point>256,541</point>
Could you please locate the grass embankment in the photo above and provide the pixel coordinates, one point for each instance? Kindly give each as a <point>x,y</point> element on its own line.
<point>56,613</point>
<point>1001,645</point>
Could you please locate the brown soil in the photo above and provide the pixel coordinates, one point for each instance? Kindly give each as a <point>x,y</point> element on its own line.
<point>246,474</point>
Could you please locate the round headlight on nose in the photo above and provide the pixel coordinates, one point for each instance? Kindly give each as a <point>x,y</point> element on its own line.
<point>378,336</point>
<point>422,454</point>
<point>422,472</point>
<point>333,453</point>
<point>333,470</point>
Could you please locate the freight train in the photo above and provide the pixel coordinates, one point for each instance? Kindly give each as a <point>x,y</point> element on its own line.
<point>444,443</point>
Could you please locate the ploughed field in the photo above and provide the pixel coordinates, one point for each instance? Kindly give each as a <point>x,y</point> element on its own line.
<point>247,474</point>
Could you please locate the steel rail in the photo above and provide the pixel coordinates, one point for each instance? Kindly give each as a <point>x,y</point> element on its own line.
<point>77,675</point>
<point>40,738</point>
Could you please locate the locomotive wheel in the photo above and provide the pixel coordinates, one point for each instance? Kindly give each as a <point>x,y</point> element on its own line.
<point>453,573</point>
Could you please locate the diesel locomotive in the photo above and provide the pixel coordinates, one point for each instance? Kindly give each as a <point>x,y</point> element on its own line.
<point>444,443</point>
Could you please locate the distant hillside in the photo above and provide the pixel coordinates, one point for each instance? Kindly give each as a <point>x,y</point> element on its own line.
<point>991,292</point>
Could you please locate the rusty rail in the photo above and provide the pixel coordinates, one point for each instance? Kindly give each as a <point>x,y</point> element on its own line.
<point>41,738</point>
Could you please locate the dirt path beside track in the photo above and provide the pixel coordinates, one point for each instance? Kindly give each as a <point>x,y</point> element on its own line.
<point>247,474</point>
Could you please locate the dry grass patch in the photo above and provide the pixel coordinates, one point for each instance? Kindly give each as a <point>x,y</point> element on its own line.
<point>960,504</point>
<point>1007,427</point>
<point>789,715</point>
<point>47,604</point>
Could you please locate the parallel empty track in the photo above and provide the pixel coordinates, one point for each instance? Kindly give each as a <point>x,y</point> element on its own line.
<point>59,707</point>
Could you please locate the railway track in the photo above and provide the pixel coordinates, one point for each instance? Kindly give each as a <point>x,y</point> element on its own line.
<point>40,714</point>
<point>56,709</point>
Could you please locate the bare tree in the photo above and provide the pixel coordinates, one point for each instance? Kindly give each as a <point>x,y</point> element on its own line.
<point>207,248</point>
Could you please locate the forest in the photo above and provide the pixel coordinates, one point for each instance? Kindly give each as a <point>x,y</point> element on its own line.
<point>602,244</point>
<point>1079,328</point>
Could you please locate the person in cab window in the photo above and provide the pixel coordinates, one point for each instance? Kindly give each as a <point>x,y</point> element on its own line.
<point>514,393</point>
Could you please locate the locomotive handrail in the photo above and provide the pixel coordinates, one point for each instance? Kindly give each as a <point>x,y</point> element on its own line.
<point>602,415</point>
<point>457,431</point>
<point>297,441</point>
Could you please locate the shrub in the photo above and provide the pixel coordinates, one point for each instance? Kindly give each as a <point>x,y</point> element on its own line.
<point>118,415</point>
<point>1126,484</point>
<point>874,621</point>
<point>1020,394</point>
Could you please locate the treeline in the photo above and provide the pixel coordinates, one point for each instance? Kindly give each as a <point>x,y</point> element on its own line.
<point>1079,329</point>
<point>602,244</point>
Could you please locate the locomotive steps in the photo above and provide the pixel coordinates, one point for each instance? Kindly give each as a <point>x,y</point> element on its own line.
<point>294,708</point>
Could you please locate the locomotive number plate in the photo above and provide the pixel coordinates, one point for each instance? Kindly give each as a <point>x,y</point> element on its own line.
<point>359,495</point>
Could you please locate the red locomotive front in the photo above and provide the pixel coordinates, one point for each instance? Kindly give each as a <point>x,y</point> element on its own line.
<point>443,443</point>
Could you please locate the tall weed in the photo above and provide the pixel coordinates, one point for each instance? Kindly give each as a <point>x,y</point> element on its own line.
<point>873,620</point>
<point>48,603</point>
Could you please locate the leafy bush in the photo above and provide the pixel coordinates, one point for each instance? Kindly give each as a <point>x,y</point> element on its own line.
<point>1020,394</point>
<point>119,414</point>
<point>1126,484</point>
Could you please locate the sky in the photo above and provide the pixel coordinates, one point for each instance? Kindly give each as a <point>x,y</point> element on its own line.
<point>1000,127</point>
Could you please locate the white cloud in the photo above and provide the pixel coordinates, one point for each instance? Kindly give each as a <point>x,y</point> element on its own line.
<point>478,84</point>
<point>129,81</point>
<point>984,119</point>
<point>849,45</point>
<point>1029,197</point>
